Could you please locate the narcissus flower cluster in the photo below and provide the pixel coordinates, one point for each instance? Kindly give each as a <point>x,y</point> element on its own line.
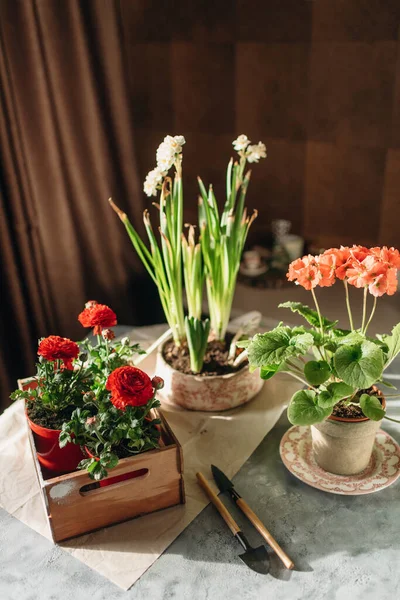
<point>252,152</point>
<point>168,152</point>
<point>371,268</point>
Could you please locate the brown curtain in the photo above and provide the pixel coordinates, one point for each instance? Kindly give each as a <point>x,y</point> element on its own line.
<point>66,146</point>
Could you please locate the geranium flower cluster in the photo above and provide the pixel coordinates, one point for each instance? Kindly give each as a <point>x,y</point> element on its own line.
<point>252,152</point>
<point>372,268</point>
<point>166,155</point>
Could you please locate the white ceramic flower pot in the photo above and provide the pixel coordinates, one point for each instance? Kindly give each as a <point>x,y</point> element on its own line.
<point>344,448</point>
<point>213,393</point>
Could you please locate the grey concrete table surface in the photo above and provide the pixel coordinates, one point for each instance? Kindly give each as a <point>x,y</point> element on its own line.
<point>343,547</point>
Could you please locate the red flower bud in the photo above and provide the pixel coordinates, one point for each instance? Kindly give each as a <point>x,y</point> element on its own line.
<point>108,334</point>
<point>157,382</point>
<point>90,303</point>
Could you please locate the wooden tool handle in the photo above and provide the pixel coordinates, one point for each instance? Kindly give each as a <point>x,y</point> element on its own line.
<point>265,533</point>
<point>221,508</point>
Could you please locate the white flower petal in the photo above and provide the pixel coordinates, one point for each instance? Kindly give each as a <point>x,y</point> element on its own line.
<point>241,142</point>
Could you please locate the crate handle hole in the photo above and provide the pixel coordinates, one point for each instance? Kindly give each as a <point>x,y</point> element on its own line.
<point>92,487</point>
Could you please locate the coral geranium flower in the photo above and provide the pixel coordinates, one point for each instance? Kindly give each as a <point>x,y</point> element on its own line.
<point>129,386</point>
<point>385,283</point>
<point>305,272</point>
<point>98,316</point>
<point>327,266</point>
<point>55,348</point>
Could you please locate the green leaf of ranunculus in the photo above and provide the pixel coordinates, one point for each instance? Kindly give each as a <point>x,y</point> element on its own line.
<point>92,466</point>
<point>359,365</point>
<point>109,460</point>
<point>64,438</point>
<point>317,371</point>
<point>303,409</point>
<point>371,407</point>
<point>393,343</point>
<point>276,346</point>
<point>308,313</point>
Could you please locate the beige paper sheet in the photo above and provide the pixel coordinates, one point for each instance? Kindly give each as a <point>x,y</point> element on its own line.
<point>122,553</point>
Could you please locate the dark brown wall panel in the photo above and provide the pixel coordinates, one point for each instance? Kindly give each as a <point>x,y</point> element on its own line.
<point>317,81</point>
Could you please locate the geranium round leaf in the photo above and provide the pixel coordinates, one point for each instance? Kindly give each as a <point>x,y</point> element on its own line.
<point>359,365</point>
<point>268,372</point>
<point>303,409</point>
<point>371,407</point>
<point>326,400</point>
<point>317,371</point>
<point>269,348</point>
<point>340,390</point>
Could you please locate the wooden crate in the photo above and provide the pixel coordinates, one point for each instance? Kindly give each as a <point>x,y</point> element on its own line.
<point>75,504</point>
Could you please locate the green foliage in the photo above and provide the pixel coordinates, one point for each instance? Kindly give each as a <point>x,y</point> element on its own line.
<point>393,343</point>
<point>304,409</point>
<point>56,389</point>
<point>222,239</point>
<point>310,315</point>
<point>346,364</point>
<point>277,346</point>
<point>359,365</point>
<point>106,356</point>
<point>334,393</point>
<point>371,407</point>
<point>317,371</point>
<point>108,432</point>
<point>197,333</point>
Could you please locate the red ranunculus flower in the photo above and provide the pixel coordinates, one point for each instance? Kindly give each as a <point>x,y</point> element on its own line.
<point>55,347</point>
<point>129,386</point>
<point>98,316</point>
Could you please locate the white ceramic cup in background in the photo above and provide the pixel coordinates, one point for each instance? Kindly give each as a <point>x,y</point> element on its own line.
<point>293,245</point>
<point>252,260</point>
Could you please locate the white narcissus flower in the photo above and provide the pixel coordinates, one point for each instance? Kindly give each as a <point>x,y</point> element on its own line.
<point>167,151</point>
<point>241,142</point>
<point>255,152</point>
<point>153,180</point>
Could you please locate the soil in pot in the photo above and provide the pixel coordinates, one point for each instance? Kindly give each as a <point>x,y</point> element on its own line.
<point>353,411</point>
<point>46,418</point>
<point>215,360</point>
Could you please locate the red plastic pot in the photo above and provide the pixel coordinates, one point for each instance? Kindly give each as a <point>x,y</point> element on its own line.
<point>53,458</point>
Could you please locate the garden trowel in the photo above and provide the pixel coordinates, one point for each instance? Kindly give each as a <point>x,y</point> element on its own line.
<point>256,559</point>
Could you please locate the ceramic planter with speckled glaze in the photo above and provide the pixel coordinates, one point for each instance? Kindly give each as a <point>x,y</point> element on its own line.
<point>344,446</point>
<point>213,393</point>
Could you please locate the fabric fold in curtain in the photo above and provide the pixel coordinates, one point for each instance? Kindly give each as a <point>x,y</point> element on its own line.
<point>66,146</point>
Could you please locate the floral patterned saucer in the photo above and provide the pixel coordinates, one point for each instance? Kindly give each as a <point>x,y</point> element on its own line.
<point>383,469</point>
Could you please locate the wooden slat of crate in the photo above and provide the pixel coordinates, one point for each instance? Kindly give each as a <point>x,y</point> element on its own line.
<point>72,511</point>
